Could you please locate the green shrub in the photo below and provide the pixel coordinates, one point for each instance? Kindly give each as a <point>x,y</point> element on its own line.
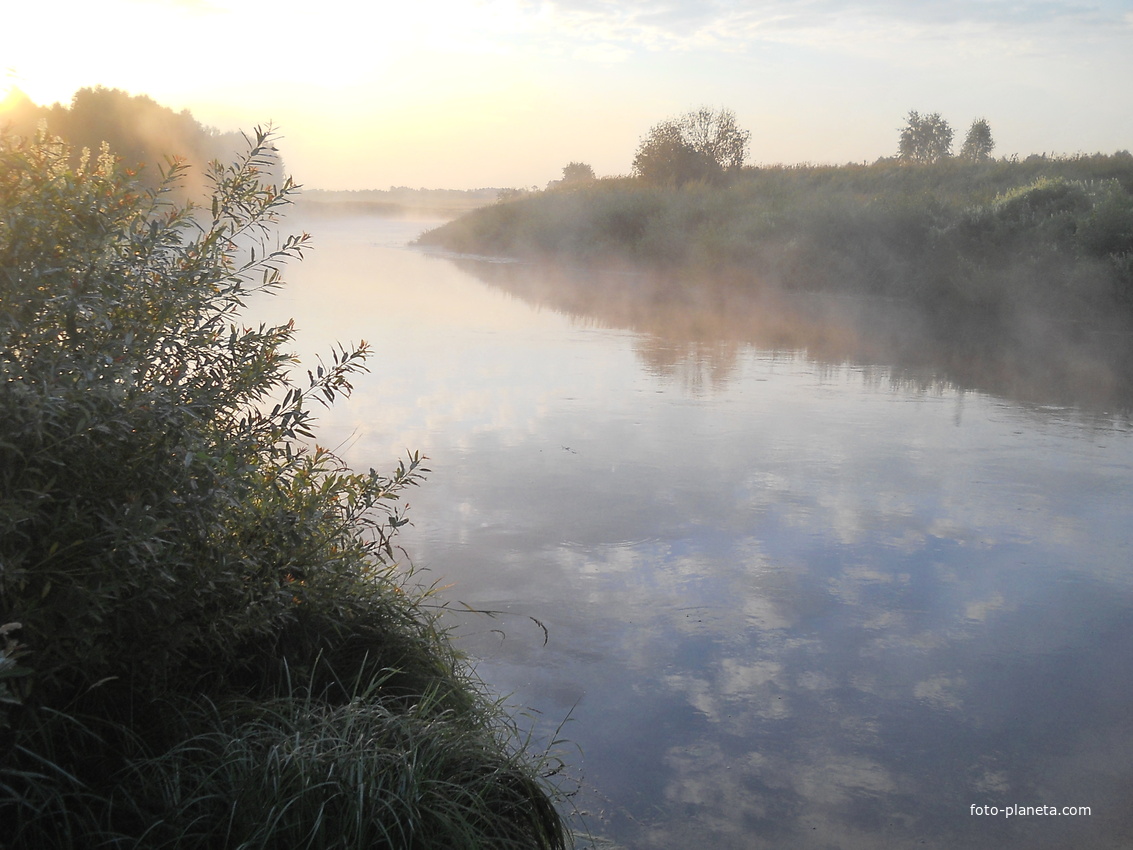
<point>169,530</point>
<point>1108,229</point>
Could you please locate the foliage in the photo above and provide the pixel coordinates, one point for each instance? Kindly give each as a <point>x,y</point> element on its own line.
<point>606,216</point>
<point>298,773</point>
<point>978,144</point>
<point>925,138</point>
<point>577,172</point>
<point>716,134</point>
<point>703,144</point>
<point>9,669</point>
<point>957,232</point>
<point>1107,230</point>
<point>137,129</point>
<point>664,157</point>
<point>169,530</point>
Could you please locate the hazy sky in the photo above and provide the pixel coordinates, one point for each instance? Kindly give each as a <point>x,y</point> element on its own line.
<point>445,93</point>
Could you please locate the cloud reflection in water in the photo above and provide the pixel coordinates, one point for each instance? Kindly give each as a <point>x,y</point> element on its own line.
<point>792,602</point>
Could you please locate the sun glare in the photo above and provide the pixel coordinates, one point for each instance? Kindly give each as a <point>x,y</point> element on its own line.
<point>7,83</point>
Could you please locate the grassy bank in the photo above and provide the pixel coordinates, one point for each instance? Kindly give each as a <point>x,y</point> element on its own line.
<point>1052,232</point>
<point>205,637</point>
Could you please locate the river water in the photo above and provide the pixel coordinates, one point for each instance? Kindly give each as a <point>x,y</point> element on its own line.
<point>793,597</point>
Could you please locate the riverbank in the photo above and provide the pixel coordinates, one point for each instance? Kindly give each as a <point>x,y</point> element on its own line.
<point>1053,233</point>
<point>208,635</point>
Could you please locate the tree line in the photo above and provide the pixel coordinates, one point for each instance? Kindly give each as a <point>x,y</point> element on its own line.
<point>709,145</point>
<point>928,138</point>
<point>145,135</point>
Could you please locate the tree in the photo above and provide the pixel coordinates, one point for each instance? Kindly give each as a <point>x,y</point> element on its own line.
<point>716,135</point>
<point>978,144</point>
<point>577,172</point>
<point>925,139</point>
<point>664,157</point>
<point>703,144</point>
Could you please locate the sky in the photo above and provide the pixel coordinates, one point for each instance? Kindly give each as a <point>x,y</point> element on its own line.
<point>504,93</point>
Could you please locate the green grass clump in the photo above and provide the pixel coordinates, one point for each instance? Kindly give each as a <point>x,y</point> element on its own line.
<point>187,579</point>
<point>298,773</point>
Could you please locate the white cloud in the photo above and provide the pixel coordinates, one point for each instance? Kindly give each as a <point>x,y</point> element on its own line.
<point>941,692</point>
<point>857,27</point>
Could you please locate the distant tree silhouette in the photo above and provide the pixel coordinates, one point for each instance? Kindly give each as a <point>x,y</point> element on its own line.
<point>978,144</point>
<point>664,157</point>
<point>717,135</point>
<point>18,114</point>
<point>703,144</point>
<point>577,172</point>
<point>925,139</point>
<point>139,130</point>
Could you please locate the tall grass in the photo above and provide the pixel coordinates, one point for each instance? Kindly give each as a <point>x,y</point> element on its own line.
<point>289,772</point>
<point>296,772</point>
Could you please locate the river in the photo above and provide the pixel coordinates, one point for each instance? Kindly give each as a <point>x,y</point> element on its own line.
<point>772,592</point>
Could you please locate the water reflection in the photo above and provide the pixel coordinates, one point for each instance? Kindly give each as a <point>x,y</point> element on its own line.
<point>792,602</point>
<point>1024,355</point>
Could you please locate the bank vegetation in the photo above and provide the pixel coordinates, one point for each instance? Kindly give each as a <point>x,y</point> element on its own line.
<point>207,636</point>
<point>958,234</point>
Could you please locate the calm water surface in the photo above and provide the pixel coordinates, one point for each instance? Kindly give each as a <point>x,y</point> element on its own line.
<point>791,602</point>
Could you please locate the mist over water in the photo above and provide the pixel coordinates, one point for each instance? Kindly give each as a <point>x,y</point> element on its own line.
<point>701,322</point>
<point>810,578</point>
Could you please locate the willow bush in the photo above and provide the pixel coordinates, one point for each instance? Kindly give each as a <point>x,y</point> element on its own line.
<point>177,553</point>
